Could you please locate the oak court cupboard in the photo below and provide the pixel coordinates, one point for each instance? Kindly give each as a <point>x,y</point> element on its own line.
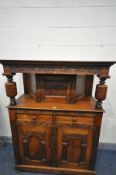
<point>56,123</point>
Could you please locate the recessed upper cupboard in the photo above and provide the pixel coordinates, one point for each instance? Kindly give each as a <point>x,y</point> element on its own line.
<point>68,88</point>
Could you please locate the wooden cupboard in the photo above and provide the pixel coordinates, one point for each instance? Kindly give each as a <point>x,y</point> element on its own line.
<point>56,123</point>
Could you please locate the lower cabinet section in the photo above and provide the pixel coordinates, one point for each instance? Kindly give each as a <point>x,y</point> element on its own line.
<point>54,140</point>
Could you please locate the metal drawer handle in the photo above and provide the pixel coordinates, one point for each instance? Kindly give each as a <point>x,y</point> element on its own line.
<point>73,120</point>
<point>34,117</point>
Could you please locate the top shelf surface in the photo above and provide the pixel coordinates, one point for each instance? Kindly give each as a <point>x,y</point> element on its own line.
<point>85,104</point>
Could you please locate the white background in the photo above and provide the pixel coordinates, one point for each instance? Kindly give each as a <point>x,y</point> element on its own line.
<point>58,30</point>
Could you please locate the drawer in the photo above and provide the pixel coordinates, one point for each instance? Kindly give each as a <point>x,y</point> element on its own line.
<point>75,119</point>
<point>34,117</point>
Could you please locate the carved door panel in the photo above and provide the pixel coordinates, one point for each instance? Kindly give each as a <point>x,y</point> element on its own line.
<point>34,141</point>
<point>74,145</point>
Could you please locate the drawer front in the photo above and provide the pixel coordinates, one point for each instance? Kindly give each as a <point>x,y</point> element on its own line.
<point>74,119</point>
<point>60,120</point>
<point>34,117</point>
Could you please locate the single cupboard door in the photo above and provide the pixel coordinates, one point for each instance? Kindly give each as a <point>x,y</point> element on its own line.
<point>74,142</point>
<point>34,142</point>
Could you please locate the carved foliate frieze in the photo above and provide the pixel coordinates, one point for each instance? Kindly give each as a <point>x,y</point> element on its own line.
<point>57,67</point>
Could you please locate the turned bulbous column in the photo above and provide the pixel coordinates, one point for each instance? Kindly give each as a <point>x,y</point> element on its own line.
<point>11,89</point>
<point>101,91</point>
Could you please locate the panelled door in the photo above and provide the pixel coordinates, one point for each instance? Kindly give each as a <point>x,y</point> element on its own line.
<point>74,141</point>
<point>34,138</point>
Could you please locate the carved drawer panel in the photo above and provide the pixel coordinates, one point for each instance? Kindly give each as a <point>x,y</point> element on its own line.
<point>75,121</point>
<point>68,119</point>
<point>34,118</point>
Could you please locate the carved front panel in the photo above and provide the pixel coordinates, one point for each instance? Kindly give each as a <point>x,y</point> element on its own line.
<point>74,142</point>
<point>34,141</point>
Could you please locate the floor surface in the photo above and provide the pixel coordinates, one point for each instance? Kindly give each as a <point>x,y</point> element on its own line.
<point>105,165</point>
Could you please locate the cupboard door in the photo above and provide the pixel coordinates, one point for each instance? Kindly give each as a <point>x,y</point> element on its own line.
<point>34,142</point>
<point>74,146</point>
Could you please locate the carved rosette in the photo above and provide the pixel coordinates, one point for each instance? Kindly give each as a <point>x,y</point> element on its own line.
<point>101,91</point>
<point>11,89</point>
